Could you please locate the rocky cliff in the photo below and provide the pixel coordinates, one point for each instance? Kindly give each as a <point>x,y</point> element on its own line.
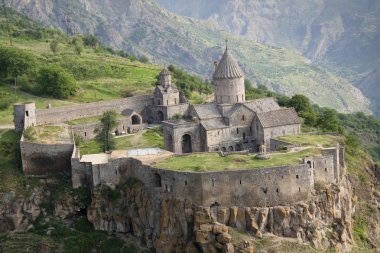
<point>170,225</point>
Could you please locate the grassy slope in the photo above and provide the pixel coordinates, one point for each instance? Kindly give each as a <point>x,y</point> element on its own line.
<point>100,74</point>
<point>147,139</point>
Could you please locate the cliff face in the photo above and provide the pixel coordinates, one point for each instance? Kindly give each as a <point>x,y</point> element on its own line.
<point>170,225</point>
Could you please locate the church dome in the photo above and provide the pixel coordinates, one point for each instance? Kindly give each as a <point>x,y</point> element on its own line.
<point>228,68</point>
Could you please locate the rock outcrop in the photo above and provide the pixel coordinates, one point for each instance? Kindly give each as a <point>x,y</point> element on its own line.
<point>170,225</point>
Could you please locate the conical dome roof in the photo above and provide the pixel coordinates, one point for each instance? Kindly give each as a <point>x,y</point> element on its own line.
<point>228,68</point>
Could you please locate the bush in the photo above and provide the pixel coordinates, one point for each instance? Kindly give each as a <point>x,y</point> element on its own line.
<point>55,81</point>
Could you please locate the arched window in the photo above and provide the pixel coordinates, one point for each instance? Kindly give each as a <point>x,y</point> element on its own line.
<point>136,120</point>
<point>156,181</point>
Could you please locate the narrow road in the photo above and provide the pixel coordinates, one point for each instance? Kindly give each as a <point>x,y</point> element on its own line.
<point>7,126</point>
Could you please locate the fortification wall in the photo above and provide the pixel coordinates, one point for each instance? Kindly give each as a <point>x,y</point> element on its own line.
<point>45,159</point>
<point>67,113</point>
<point>253,187</point>
<point>323,168</point>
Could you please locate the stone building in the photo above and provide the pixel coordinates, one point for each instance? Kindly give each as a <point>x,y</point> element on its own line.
<point>230,123</point>
<point>167,100</point>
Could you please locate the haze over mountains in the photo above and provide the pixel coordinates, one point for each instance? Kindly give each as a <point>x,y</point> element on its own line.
<point>342,55</point>
<point>341,35</point>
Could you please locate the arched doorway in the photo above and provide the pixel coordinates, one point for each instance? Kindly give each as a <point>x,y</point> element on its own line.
<point>224,149</point>
<point>136,120</point>
<point>156,181</point>
<point>170,143</point>
<point>186,144</point>
<point>230,148</point>
<point>160,116</point>
<point>237,147</point>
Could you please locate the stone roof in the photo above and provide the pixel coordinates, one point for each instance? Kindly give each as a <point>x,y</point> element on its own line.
<point>207,111</point>
<point>212,124</point>
<point>228,68</point>
<point>282,117</point>
<point>163,89</point>
<point>262,105</point>
<point>165,72</point>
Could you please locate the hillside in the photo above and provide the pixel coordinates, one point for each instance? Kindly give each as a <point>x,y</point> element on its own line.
<point>339,35</point>
<point>100,73</point>
<point>143,28</point>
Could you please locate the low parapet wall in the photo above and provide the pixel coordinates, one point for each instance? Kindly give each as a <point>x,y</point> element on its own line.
<point>67,113</point>
<point>45,159</point>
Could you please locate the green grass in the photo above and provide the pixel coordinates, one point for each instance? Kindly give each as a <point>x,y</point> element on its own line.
<point>213,162</point>
<point>325,140</point>
<point>47,134</point>
<point>8,96</point>
<point>147,139</point>
<point>100,75</point>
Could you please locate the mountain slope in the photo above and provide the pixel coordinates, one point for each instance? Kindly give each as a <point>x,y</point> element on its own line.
<point>340,35</point>
<point>141,27</point>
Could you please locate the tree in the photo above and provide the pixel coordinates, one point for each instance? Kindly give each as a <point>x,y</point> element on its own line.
<point>303,106</point>
<point>247,84</point>
<point>54,46</point>
<point>55,81</point>
<point>15,63</point>
<point>144,59</point>
<point>104,134</point>
<point>78,48</point>
<point>91,41</point>
<point>328,120</point>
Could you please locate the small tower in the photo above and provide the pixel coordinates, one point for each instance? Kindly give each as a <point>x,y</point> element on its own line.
<point>165,78</point>
<point>24,115</point>
<point>228,80</point>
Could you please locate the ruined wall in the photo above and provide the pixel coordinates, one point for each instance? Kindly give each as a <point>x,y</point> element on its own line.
<point>45,159</point>
<point>67,113</point>
<point>24,115</point>
<point>87,131</point>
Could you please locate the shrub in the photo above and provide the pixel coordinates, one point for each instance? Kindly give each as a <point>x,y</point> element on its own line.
<point>55,81</point>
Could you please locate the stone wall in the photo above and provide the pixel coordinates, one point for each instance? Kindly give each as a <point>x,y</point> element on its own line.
<point>174,133</point>
<point>229,91</point>
<point>251,187</point>
<point>67,113</point>
<point>24,115</point>
<point>158,113</point>
<point>45,159</point>
<point>87,131</point>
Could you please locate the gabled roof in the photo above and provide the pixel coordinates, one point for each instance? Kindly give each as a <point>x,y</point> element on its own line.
<point>212,124</point>
<point>234,108</point>
<point>228,68</point>
<point>163,90</point>
<point>282,117</point>
<point>207,111</point>
<point>262,105</point>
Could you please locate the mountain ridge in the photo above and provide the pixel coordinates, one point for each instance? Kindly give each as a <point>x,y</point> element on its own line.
<point>142,27</point>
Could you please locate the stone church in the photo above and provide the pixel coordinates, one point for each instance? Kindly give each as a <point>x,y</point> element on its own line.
<point>230,123</point>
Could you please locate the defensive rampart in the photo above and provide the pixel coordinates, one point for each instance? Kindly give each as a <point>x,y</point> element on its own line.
<point>251,187</point>
<point>67,113</point>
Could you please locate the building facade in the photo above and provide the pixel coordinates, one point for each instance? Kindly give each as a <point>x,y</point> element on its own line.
<point>230,123</point>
